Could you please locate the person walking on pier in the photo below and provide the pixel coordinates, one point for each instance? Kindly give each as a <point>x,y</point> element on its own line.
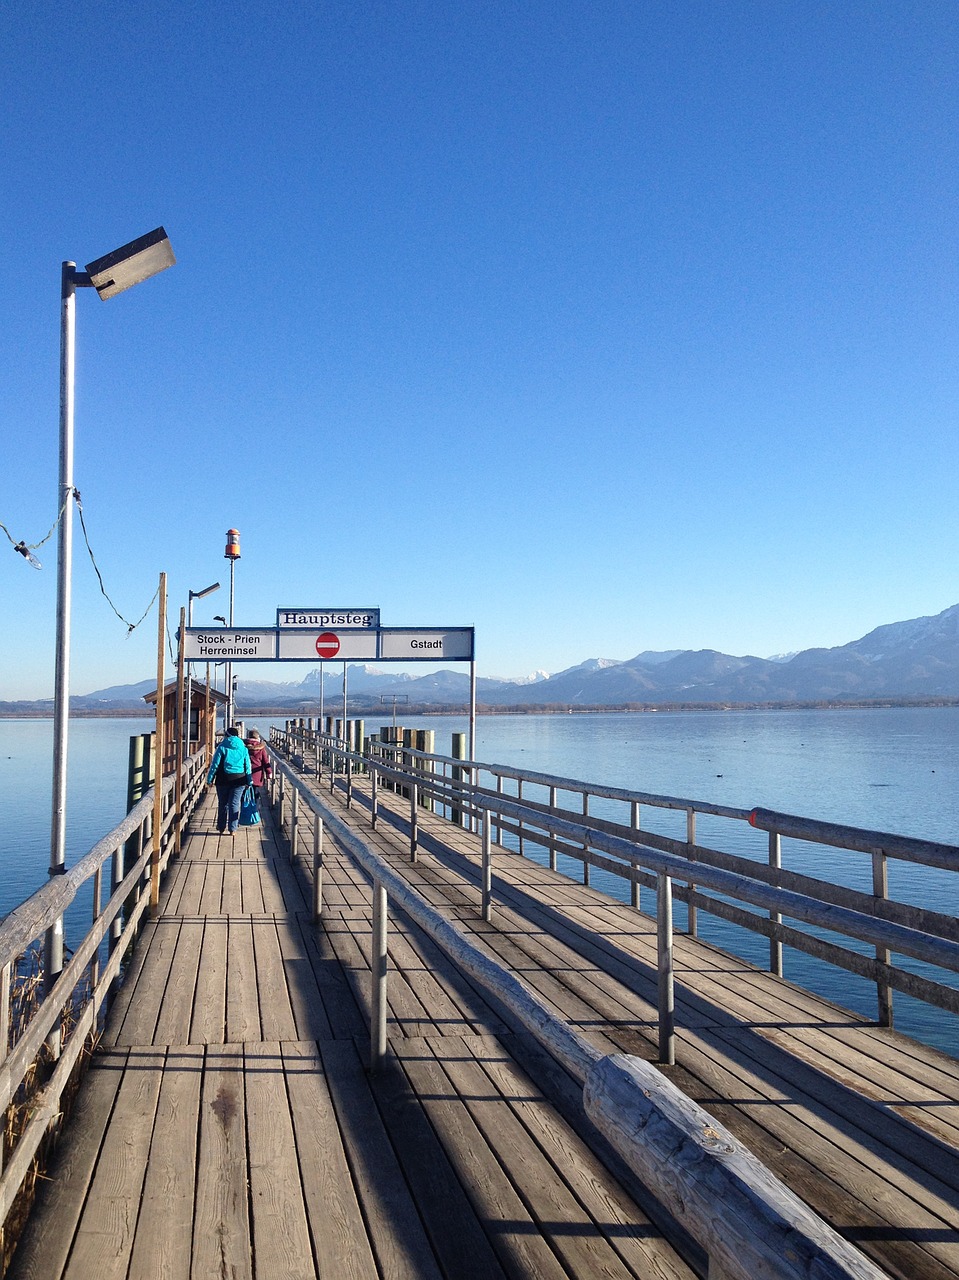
<point>230,770</point>
<point>260,765</point>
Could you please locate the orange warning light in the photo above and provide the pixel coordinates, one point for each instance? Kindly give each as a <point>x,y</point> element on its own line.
<point>232,551</point>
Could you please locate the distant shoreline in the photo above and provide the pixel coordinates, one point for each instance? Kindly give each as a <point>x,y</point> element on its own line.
<point>28,712</point>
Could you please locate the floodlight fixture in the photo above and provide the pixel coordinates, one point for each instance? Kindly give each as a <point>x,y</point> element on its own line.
<point>198,595</point>
<point>131,264</point>
<point>218,617</point>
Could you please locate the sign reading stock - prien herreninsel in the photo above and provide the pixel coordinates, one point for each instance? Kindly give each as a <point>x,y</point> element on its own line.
<point>347,635</point>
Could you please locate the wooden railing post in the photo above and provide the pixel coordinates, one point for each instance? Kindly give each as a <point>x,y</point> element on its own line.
<point>880,888</point>
<point>317,867</point>
<point>552,833</point>
<point>691,889</point>
<point>585,842</point>
<point>378,971</point>
<point>634,898</point>
<point>775,946</point>
<point>294,821</point>
<point>519,834</point>
<point>487,904</point>
<point>414,821</point>
<point>664,939</point>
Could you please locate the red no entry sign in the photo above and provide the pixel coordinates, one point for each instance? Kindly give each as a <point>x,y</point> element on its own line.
<point>327,645</point>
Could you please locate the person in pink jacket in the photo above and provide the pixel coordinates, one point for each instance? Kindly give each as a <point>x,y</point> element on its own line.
<point>260,766</point>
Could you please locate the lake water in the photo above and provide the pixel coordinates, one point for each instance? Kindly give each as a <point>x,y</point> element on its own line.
<point>889,769</point>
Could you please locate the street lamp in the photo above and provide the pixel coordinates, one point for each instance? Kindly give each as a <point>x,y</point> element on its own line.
<point>109,275</point>
<point>194,595</point>
<point>198,595</point>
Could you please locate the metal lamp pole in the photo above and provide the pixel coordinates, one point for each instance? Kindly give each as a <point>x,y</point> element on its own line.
<point>194,595</point>
<point>112,274</point>
<point>232,553</point>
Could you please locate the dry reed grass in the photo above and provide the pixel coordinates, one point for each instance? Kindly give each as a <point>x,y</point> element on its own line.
<point>26,995</point>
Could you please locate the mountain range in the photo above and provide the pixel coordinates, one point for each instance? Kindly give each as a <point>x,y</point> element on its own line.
<point>913,660</point>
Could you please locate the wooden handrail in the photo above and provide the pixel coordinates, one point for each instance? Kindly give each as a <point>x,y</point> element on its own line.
<point>751,1225</point>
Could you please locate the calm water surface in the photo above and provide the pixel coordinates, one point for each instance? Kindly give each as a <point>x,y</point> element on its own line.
<point>894,769</point>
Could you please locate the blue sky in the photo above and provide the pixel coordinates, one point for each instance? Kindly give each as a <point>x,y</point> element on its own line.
<point>600,326</point>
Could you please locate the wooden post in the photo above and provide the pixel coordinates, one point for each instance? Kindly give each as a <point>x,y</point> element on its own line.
<point>487,867</point>
<point>180,755</point>
<point>552,833</point>
<point>208,720</point>
<point>691,889</point>
<point>294,821</point>
<point>378,968</point>
<point>458,752</point>
<point>664,938</point>
<point>414,789</point>
<point>634,899</point>
<point>317,867</point>
<point>880,888</point>
<point>775,946</point>
<point>586,842</point>
<point>158,783</point>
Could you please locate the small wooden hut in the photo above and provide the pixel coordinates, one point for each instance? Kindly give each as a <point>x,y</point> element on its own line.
<point>204,704</point>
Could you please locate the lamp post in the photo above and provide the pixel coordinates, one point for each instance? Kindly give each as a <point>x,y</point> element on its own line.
<point>109,275</point>
<point>194,595</point>
<point>232,553</point>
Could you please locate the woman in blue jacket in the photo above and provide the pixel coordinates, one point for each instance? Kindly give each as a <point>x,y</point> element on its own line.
<point>230,770</point>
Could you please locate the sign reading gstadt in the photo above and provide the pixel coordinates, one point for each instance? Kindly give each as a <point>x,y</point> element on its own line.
<point>348,635</point>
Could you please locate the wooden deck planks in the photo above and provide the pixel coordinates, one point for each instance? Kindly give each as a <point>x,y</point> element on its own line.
<point>221,1230</point>
<point>164,1235</point>
<point>234,1129</point>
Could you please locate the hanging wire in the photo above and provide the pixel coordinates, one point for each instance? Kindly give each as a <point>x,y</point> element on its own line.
<point>26,550</point>
<point>130,626</point>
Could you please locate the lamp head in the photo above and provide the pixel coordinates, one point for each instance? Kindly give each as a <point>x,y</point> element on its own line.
<point>132,263</point>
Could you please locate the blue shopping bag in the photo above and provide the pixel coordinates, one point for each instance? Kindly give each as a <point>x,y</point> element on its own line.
<point>249,813</point>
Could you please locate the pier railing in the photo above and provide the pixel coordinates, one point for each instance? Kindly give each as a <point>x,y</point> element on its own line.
<point>894,945</point>
<point>750,1225</point>
<point>42,1041</point>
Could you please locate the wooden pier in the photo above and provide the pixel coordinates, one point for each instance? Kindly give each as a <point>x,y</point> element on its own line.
<point>228,1124</point>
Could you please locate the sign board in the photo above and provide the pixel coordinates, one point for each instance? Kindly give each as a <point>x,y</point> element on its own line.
<point>328,619</point>
<point>424,644</point>
<point>327,642</point>
<point>223,644</point>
